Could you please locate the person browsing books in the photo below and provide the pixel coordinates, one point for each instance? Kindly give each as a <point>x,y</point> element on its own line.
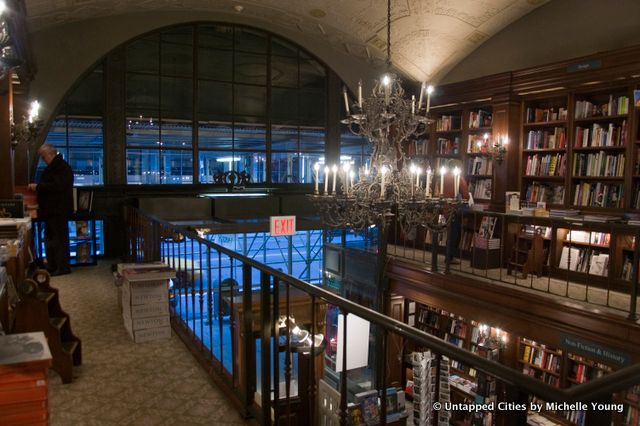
<point>55,207</point>
<point>453,249</point>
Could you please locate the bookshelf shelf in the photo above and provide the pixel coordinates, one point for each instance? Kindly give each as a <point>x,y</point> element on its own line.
<point>601,118</point>
<point>448,132</point>
<point>600,148</point>
<point>536,177</point>
<point>479,176</point>
<point>558,123</point>
<point>479,129</point>
<point>597,177</point>
<point>543,150</point>
<point>544,370</point>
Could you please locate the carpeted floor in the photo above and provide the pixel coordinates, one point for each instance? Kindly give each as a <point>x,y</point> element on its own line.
<point>123,383</point>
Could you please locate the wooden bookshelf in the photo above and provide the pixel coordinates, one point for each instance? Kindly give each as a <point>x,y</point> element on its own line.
<point>544,149</point>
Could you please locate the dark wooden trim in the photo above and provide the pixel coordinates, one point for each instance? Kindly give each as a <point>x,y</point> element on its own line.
<point>524,314</point>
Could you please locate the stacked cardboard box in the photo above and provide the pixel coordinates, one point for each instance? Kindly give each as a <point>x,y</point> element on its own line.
<point>24,360</point>
<point>145,301</point>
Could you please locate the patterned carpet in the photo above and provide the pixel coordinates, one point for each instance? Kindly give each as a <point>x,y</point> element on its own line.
<point>123,383</point>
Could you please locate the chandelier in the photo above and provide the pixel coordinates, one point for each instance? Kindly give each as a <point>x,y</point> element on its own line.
<point>389,186</point>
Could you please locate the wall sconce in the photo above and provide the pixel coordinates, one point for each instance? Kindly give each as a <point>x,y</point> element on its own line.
<point>499,148</point>
<point>25,131</point>
<point>300,340</point>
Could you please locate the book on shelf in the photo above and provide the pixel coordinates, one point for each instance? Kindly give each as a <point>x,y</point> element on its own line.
<point>545,165</point>
<point>584,260</point>
<point>616,105</point>
<point>480,166</point>
<point>599,195</point>
<point>597,135</point>
<point>481,189</point>
<point>83,252</point>
<point>448,146</point>
<point>82,200</point>
<point>546,139</point>
<point>598,164</point>
<point>480,118</point>
<point>564,212</point>
<point>540,115</point>
<point>579,236</point>
<point>487,226</point>
<point>447,123</point>
<point>368,401</point>
<point>82,229</point>
<point>551,194</point>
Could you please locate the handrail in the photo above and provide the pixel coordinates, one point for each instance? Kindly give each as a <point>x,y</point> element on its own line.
<point>590,391</point>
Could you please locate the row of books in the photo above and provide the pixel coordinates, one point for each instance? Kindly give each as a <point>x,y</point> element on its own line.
<point>539,115</point>
<point>599,195</point>
<point>541,358</point>
<point>614,106</point>
<point>429,317</point>
<point>551,194</point>
<point>582,373</point>
<point>636,201</point>
<point>584,260</point>
<point>546,165</point>
<point>531,230</point>
<point>458,328</point>
<point>549,379</point>
<point>448,122</point>
<point>627,269</point>
<point>481,189</point>
<point>480,166</point>
<point>480,118</point>
<point>478,144</point>
<point>598,164</point>
<point>578,236</point>
<point>599,136</point>
<point>448,146</point>
<point>545,139</point>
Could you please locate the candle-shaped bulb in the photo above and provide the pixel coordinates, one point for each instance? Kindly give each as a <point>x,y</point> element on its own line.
<point>326,179</point>
<point>429,91</point>
<point>334,169</point>
<point>456,171</point>
<point>413,104</point>
<point>386,79</point>
<point>485,136</point>
<point>420,98</point>
<point>443,171</point>
<point>346,100</point>
<point>360,94</point>
<point>412,168</point>
<point>316,168</point>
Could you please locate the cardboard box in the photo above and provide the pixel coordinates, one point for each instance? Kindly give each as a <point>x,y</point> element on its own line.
<point>151,334</point>
<point>135,324</point>
<point>147,310</point>
<point>141,292</point>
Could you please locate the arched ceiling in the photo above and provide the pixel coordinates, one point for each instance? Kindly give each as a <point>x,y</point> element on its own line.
<point>428,37</point>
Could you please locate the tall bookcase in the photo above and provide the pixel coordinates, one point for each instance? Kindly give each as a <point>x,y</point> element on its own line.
<point>635,155</point>
<point>544,150</point>
<point>575,146</point>
<point>448,142</point>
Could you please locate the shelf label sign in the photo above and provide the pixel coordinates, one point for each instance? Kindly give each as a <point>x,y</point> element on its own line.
<point>594,350</point>
<point>584,66</point>
<point>282,225</point>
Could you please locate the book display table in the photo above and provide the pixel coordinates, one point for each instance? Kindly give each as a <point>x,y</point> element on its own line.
<point>24,360</point>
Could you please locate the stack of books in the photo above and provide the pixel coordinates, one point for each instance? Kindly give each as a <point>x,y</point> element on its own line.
<point>145,301</point>
<point>24,360</point>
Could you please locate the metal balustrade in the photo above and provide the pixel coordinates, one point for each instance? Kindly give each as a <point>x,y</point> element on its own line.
<point>236,331</point>
<point>519,253</point>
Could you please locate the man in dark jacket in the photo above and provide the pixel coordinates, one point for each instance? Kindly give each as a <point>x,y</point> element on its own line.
<point>55,206</point>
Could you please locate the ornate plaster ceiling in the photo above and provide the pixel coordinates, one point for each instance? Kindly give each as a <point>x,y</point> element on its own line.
<point>428,36</point>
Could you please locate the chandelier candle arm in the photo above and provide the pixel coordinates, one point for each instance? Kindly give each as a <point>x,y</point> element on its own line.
<point>316,168</point>
<point>326,179</point>
<point>335,177</point>
<point>420,98</point>
<point>456,181</point>
<point>360,94</point>
<point>429,91</point>
<point>427,189</point>
<point>346,100</point>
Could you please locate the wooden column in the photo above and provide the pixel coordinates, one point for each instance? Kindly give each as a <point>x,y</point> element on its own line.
<point>332,147</point>
<point>6,151</point>
<point>506,122</point>
<point>114,137</point>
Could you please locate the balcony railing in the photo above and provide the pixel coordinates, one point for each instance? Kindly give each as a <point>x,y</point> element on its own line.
<point>229,310</point>
<point>592,262</point>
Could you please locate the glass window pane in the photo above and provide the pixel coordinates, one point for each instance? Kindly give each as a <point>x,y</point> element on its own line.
<point>307,160</point>
<point>176,60</point>
<point>215,101</point>
<point>85,131</point>
<point>284,138</point>
<point>179,35</point>
<point>312,74</point>
<point>57,135</point>
<point>177,98</point>
<point>284,71</point>
<point>249,40</point>
<point>177,167</point>
<point>212,163</point>
<point>215,135</point>
<point>87,165</point>
<point>215,36</point>
<point>250,136</point>
<point>283,48</point>
<point>285,106</point>
<point>215,64</point>
<point>254,163</point>
<point>250,100</point>
<point>143,131</point>
<point>142,55</point>
<point>312,107</point>
<point>143,166</point>
<point>312,139</point>
<point>285,167</point>
<point>250,68</point>
<point>88,97</point>
<point>174,134</point>
<point>143,93</point>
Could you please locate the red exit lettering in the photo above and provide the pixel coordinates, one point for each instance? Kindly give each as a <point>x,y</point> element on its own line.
<point>283,225</point>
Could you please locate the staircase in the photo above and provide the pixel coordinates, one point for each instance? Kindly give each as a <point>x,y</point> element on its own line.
<point>39,310</point>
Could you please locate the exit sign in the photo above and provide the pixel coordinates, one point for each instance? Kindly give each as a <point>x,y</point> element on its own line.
<point>282,225</point>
